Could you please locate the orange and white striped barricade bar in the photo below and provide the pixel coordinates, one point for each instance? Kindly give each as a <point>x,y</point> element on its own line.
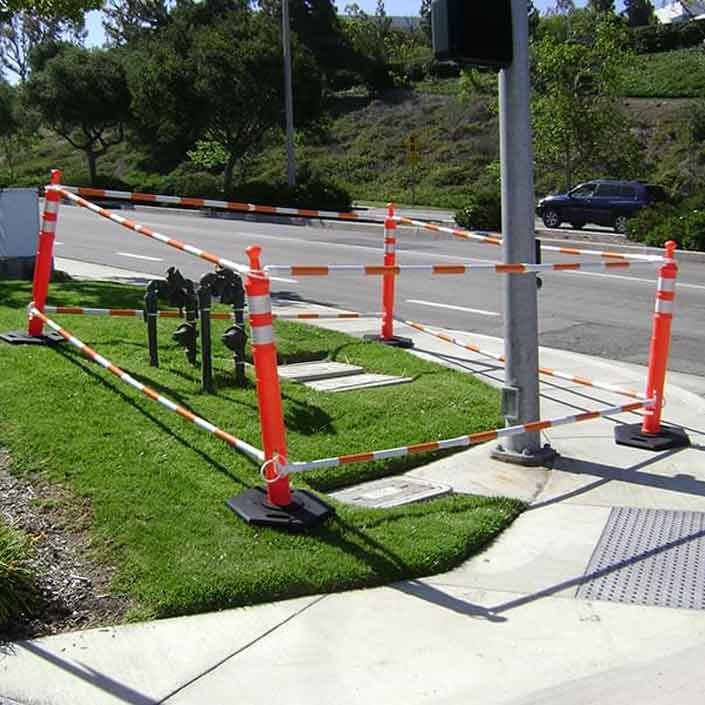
<point>42,270</point>
<point>215,315</point>
<point>492,240</point>
<point>548,371</point>
<point>386,334</point>
<point>254,453</point>
<point>286,469</point>
<point>300,270</point>
<point>190,202</point>
<point>275,505</point>
<point>153,234</point>
<point>652,434</point>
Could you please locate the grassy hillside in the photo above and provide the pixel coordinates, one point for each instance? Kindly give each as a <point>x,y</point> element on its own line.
<point>361,143</point>
<point>672,74</point>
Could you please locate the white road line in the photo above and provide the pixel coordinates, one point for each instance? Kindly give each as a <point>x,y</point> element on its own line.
<point>56,242</point>
<point>150,259</point>
<point>679,285</point>
<point>479,311</point>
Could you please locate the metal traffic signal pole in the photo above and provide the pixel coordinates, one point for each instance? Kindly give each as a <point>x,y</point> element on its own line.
<point>520,397</point>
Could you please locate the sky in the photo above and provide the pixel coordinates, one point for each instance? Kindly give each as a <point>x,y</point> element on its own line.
<point>96,36</point>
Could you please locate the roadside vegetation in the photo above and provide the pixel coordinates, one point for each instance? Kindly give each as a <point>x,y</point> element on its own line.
<point>157,486</point>
<point>17,593</point>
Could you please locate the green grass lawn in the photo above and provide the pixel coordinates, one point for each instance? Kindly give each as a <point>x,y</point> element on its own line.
<point>158,485</point>
<point>672,74</point>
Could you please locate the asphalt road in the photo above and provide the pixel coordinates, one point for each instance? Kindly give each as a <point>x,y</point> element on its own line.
<point>604,314</point>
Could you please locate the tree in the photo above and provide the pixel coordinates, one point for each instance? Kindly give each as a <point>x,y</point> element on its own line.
<point>639,12</point>
<point>602,5</point>
<point>534,17</point>
<point>7,122</point>
<point>563,7</point>
<point>220,85</point>
<point>82,95</point>
<point>18,128</point>
<point>576,114</point>
<point>21,34</point>
<point>316,24</point>
<point>425,15</point>
<point>126,20</point>
<point>65,9</point>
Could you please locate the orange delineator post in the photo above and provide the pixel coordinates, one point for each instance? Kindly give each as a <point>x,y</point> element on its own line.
<point>388,280</point>
<point>45,253</point>
<point>660,339</point>
<point>650,434</point>
<point>264,353</point>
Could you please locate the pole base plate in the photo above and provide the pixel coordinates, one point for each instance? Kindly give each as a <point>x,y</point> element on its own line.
<point>306,510</point>
<point>396,341</point>
<point>543,457</point>
<point>21,337</point>
<point>667,438</point>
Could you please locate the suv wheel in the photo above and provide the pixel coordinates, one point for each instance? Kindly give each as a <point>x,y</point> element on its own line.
<point>620,224</point>
<point>551,219</point>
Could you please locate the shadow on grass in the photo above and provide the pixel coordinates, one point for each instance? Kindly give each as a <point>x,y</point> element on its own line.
<point>108,384</point>
<point>83,293</point>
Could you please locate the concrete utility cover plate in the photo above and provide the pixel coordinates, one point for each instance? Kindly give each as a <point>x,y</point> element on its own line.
<point>391,492</point>
<point>308,371</point>
<point>649,557</point>
<point>362,381</point>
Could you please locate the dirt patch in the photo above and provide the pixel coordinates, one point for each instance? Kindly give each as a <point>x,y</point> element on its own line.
<point>74,588</point>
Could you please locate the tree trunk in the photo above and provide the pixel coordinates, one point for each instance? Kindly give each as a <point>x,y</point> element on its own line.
<point>228,175</point>
<point>92,158</point>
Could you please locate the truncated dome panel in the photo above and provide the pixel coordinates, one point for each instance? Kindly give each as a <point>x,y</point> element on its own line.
<point>649,557</point>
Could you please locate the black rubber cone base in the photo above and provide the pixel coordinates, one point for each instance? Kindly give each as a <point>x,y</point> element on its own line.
<point>667,438</point>
<point>20,337</point>
<point>396,341</point>
<point>306,510</point>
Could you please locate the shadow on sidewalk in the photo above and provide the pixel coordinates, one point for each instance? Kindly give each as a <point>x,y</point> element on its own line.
<point>95,678</point>
<point>685,484</point>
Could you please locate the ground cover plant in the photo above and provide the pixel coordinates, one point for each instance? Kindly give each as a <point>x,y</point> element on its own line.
<point>157,485</point>
<point>16,578</point>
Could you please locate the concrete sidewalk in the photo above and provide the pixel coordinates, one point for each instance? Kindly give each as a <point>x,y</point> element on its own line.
<point>515,625</point>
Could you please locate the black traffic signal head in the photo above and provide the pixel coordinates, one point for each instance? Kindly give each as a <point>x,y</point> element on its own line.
<point>473,32</point>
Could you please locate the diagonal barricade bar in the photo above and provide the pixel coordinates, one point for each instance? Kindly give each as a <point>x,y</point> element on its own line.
<point>606,386</point>
<point>519,268</point>
<point>239,444</point>
<point>459,442</point>
<point>492,240</point>
<point>153,234</point>
<point>210,203</point>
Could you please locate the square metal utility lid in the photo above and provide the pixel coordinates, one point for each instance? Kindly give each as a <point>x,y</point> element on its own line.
<point>391,492</point>
<point>321,369</point>
<point>354,382</point>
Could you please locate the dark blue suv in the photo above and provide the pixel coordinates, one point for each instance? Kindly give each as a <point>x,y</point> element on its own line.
<point>602,202</point>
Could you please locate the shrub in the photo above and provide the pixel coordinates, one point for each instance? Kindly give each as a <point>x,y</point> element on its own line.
<point>483,211</point>
<point>16,581</point>
<point>442,69</point>
<point>311,191</point>
<point>667,37</point>
<point>656,225</point>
